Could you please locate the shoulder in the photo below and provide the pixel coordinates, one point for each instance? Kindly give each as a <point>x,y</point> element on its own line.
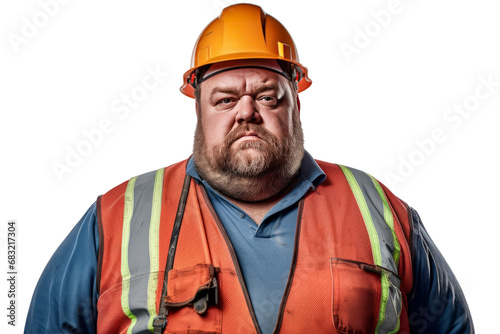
<point>364,185</point>
<point>347,172</point>
<point>355,177</point>
<point>138,191</point>
<point>146,179</point>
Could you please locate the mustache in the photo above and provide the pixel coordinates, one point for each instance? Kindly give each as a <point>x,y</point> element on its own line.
<point>240,131</point>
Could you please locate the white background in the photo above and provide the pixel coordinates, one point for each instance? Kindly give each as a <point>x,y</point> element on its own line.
<point>367,110</point>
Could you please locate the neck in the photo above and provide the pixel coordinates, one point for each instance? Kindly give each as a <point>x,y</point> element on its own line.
<point>257,209</point>
<point>256,189</point>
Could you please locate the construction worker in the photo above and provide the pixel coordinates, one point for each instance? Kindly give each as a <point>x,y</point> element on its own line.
<point>250,234</point>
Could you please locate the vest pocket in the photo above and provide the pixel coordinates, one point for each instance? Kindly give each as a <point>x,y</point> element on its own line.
<point>366,298</point>
<point>192,299</point>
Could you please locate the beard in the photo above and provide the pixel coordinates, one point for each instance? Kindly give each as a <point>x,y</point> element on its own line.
<point>253,170</point>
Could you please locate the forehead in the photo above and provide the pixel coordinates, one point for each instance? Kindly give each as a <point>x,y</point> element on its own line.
<point>243,80</point>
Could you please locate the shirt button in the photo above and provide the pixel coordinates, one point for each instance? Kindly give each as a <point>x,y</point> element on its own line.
<point>241,215</point>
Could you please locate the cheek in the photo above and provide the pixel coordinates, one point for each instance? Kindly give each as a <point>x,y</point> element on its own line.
<point>215,129</point>
<point>280,125</point>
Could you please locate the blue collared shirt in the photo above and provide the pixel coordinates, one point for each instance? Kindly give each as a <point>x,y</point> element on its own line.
<point>264,251</point>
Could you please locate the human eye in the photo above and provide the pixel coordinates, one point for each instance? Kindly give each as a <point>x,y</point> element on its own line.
<point>225,100</point>
<point>225,103</point>
<point>268,100</point>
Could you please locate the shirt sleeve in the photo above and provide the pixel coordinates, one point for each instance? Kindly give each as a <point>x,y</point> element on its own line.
<point>65,297</point>
<point>438,304</point>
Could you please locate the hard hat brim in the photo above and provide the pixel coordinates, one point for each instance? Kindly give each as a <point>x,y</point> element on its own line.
<point>188,89</point>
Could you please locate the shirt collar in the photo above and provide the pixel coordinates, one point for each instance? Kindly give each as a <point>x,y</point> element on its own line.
<point>311,171</point>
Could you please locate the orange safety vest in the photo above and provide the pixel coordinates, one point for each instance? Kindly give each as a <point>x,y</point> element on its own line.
<point>351,269</point>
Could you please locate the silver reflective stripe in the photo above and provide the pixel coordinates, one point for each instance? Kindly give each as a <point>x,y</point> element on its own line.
<point>393,306</point>
<point>379,222</point>
<point>140,249</point>
<point>376,207</point>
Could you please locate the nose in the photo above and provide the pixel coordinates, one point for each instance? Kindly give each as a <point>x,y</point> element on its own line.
<point>248,111</point>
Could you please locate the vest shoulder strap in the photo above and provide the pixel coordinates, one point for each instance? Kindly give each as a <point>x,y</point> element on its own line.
<point>134,219</point>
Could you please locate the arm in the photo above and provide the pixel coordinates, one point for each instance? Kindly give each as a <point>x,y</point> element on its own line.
<point>438,304</point>
<point>65,297</point>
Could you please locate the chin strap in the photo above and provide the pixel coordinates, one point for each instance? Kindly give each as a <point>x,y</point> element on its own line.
<point>160,321</point>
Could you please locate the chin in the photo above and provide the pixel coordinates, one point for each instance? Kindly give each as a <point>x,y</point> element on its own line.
<point>248,153</point>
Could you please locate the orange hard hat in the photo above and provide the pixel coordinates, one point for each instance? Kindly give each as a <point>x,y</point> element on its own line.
<point>244,31</point>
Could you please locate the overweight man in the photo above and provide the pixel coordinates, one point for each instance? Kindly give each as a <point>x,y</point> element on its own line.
<point>250,234</point>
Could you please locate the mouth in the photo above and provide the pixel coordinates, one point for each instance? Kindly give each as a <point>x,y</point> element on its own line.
<point>249,135</point>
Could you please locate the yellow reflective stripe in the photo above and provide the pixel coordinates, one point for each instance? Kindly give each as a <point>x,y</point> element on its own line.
<point>365,212</point>
<point>125,271</point>
<point>154,246</point>
<point>383,300</point>
<point>396,330</point>
<point>374,238</point>
<point>389,219</point>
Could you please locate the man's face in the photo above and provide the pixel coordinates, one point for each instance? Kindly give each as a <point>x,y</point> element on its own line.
<point>248,124</point>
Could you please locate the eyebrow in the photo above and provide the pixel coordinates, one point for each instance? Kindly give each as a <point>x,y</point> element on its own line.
<point>267,88</point>
<point>223,90</point>
<point>229,90</point>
